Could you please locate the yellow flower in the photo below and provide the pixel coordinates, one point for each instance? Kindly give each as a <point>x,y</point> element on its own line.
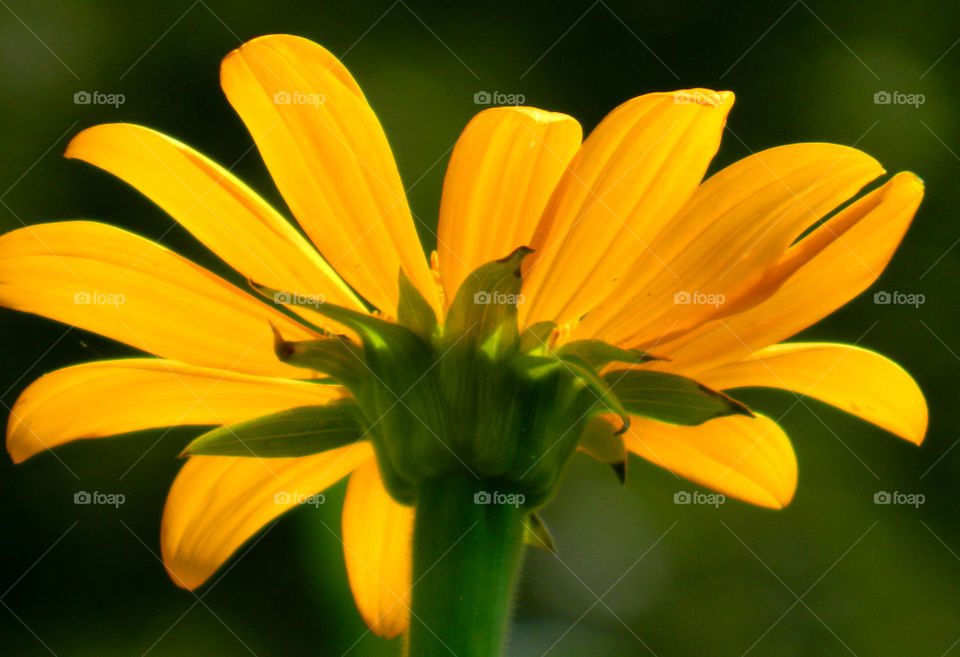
<point>631,247</point>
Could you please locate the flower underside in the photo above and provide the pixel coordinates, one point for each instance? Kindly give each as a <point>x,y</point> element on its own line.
<point>451,390</point>
<point>475,396</point>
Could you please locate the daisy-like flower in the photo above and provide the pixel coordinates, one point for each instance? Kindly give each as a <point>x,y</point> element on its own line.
<point>562,268</point>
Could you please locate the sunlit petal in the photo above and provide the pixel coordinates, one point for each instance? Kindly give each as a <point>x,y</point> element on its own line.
<point>106,280</point>
<point>820,273</point>
<point>377,535</point>
<point>737,224</point>
<point>857,380</point>
<point>750,459</point>
<point>216,503</point>
<point>110,397</point>
<point>501,174</point>
<point>222,212</point>
<point>631,176</point>
<point>330,159</point>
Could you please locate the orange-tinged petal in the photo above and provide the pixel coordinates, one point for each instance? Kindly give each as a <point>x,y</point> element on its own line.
<point>632,174</point>
<point>330,159</point>
<point>503,170</point>
<point>103,279</point>
<point>821,272</point>
<point>377,533</point>
<point>856,380</point>
<point>223,213</point>
<point>110,397</point>
<point>750,459</point>
<point>738,223</point>
<point>216,503</point>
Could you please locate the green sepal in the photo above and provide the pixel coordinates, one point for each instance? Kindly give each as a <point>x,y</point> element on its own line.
<point>415,312</point>
<point>376,333</point>
<point>606,397</point>
<point>671,398</point>
<point>336,356</point>
<point>535,533</point>
<point>295,432</point>
<point>300,318</point>
<point>600,441</point>
<point>598,354</point>
<point>395,394</point>
<point>392,353</point>
<point>535,367</point>
<point>535,338</point>
<point>483,313</point>
<point>598,391</point>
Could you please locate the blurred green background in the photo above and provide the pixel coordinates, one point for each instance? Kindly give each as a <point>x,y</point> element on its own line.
<point>834,574</point>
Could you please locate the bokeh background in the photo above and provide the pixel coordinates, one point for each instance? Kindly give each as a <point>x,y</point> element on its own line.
<point>834,574</point>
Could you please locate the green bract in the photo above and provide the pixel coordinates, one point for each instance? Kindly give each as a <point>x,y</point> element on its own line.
<point>295,432</point>
<point>473,396</point>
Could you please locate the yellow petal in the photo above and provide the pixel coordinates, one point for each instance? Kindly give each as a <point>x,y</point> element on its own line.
<point>217,502</point>
<point>106,280</point>
<point>738,223</point>
<point>330,159</point>
<point>632,174</point>
<point>750,459</point>
<point>220,211</point>
<point>820,273</point>
<point>856,380</point>
<point>110,397</point>
<point>377,533</point>
<point>501,174</point>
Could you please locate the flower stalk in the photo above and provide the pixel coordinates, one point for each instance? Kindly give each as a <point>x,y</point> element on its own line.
<point>467,549</point>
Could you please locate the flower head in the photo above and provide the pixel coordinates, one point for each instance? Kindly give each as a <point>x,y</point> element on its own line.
<point>596,295</point>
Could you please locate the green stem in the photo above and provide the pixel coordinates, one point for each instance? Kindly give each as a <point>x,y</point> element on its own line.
<point>466,555</point>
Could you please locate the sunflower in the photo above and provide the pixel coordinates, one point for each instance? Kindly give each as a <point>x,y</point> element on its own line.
<point>625,253</point>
